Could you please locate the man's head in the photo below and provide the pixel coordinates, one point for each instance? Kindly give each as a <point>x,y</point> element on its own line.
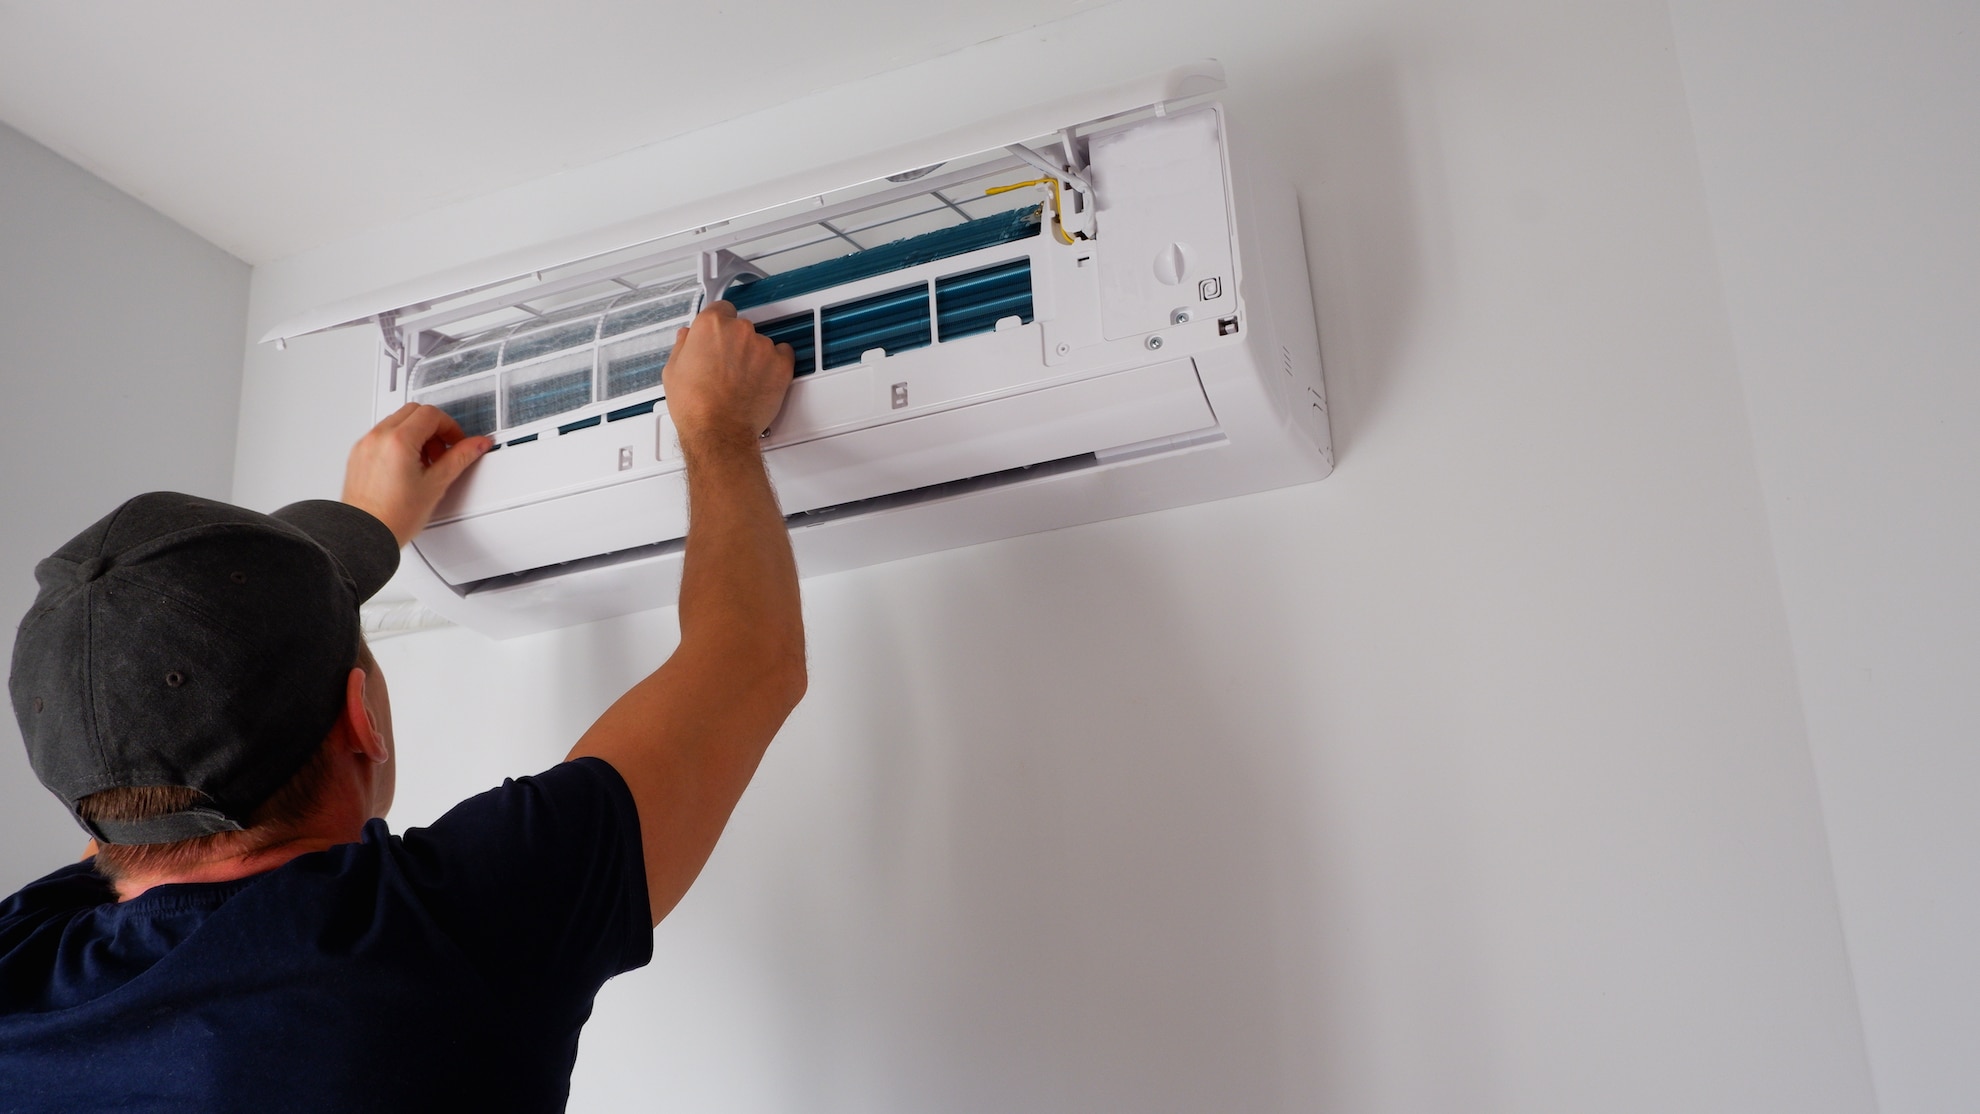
<point>196,652</point>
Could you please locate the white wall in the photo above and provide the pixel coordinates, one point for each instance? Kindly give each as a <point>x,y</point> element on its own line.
<point>120,338</point>
<point>1841,153</point>
<point>1473,778</point>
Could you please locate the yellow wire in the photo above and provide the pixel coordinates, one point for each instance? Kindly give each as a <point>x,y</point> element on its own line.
<point>1058,223</point>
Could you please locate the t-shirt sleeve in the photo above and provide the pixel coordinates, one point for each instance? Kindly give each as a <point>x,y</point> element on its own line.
<point>542,882</point>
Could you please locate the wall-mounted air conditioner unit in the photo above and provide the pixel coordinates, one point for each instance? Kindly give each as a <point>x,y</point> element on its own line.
<point>1078,312</point>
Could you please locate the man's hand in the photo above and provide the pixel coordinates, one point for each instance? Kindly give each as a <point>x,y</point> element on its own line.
<point>399,470</point>
<point>724,377</point>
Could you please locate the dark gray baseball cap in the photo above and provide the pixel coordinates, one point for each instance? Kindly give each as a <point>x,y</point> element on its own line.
<point>181,641</point>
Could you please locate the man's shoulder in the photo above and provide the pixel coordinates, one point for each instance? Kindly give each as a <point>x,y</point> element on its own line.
<point>579,793</point>
<point>68,889</point>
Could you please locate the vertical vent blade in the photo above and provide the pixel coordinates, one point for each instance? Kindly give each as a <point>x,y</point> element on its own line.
<point>796,332</point>
<point>896,321</point>
<point>975,301</point>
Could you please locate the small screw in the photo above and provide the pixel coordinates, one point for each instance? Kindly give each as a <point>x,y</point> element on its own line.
<point>174,679</point>
<point>1154,343</point>
<point>1064,349</point>
<point>1180,317</point>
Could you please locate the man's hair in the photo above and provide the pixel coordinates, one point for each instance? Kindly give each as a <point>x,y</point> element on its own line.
<point>275,819</point>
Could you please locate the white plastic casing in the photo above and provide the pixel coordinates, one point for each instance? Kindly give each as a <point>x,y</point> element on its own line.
<point>1172,359</point>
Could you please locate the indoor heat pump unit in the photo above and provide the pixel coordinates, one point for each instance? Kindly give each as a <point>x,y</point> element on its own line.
<point>1076,312</point>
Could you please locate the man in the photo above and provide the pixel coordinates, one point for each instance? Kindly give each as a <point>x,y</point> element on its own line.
<point>248,935</point>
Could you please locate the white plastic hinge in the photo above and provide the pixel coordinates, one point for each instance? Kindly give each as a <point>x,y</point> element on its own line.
<point>717,269</point>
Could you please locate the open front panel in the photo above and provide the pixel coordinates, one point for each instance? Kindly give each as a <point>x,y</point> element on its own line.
<point>579,371</point>
<point>527,363</point>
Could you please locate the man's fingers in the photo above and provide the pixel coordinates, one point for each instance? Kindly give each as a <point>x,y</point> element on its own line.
<point>393,419</point>
<point>420,426</point>
<point>448,434</point>
<point>719,309</point>
<point>450,430</point>
<point>454,461</point>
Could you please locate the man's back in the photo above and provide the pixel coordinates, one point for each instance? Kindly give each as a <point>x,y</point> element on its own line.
<point>192,684</point>
<point>448,969</point>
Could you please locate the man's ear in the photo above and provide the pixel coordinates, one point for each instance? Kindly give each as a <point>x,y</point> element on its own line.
<point>357,719</point>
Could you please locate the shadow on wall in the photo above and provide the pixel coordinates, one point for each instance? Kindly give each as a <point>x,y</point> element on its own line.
<point>1359,151</point>
<point>1056,872</point>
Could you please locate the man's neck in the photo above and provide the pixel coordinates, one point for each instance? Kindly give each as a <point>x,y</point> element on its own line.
<point>348,800</point>
<point>225,866</point>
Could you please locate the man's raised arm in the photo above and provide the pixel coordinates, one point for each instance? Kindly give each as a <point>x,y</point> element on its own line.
<point>688,738</point>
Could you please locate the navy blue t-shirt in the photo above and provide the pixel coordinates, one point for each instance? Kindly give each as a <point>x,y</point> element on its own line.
<point>446,969</point>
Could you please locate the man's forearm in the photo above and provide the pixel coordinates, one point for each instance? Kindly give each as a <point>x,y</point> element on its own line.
<point>688,738</point>
<point>739,594</point>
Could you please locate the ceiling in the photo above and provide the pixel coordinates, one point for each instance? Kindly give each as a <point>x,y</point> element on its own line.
<point>271,127</point>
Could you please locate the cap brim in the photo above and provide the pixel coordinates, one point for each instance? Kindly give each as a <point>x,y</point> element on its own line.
<point>363,545</point>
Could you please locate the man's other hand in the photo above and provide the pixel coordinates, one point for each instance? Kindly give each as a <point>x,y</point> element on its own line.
<point>399,470</point>
<point>724,377</point>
